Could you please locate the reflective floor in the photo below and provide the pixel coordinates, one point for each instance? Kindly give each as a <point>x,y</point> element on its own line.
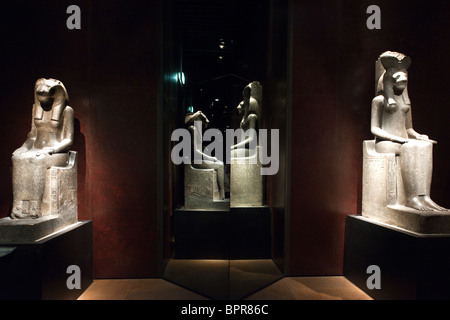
<point>287,288</point>
<point>223,279</point>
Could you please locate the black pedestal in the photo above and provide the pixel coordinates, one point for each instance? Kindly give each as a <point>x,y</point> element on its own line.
<point>412,265</point>
<point>200,234</point>
<point>241,233</point>
<point>250,233</point>
<point>39,270</point>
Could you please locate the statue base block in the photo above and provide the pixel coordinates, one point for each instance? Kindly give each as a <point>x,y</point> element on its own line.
<point>39,270</point>
<point>425,222</point>
<point>29,230</point>
<point>412,265</point>
<point>212,205</point>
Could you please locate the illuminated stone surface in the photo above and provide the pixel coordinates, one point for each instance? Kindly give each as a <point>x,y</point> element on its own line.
<point>246,181</point>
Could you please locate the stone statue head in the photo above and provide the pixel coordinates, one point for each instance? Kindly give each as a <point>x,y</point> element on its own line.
<point>392,76</point>
<point>50,94</point>
<point>252,99</point>
<point>197,116</point>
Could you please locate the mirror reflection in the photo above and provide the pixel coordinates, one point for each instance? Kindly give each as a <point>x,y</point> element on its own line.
<point>219,233</point>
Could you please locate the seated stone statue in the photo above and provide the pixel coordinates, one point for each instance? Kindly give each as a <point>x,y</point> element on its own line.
<point>391,124</point>
<point>245,171</point>
<point>398,163</point>
<point>250,106</point>
<point>204,179</point>
<point>42,166</point>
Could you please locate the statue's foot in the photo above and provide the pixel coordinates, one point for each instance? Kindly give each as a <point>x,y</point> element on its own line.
<point>35,209</point>
<point>17,212</point>
<point>26,210</point>
<point>417,203</point>
<point>427,200</point>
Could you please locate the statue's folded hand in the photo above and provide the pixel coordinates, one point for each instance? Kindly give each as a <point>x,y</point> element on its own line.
<point>48,150</point>
<point>422,137</point>
<point>399,140</point>
<point>45,150</point>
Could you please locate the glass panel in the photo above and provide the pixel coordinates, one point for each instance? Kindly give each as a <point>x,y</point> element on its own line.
<point>219,252</point>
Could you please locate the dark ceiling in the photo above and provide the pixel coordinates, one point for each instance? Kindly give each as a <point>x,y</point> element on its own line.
<point>224,48</point>
<point>205,22</point>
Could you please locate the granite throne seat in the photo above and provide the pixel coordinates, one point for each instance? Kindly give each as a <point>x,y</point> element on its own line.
<point>246,181</point>
<point>201,188</point>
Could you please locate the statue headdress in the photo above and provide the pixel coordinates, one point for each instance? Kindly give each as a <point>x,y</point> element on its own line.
<point>386,66</point>
<point>254,91</point>
<point>60,101</point>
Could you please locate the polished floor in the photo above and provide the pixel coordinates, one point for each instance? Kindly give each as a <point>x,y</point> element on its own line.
<point>287,288</point>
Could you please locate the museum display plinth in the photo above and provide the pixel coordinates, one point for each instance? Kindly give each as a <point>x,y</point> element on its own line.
<point>250,236</point>
<point>20,230</point>
<point>238,233</point>
<point>200,234</point>
<point>412,265</point>
<point>37,270</point>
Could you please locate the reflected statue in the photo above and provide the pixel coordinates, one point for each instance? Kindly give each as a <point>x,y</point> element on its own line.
<point>250,107</point>
<point>44,171</point>
<point>245,171</point>
<point>398,163</point>
<point>204,178</point>
<point>207,162</point>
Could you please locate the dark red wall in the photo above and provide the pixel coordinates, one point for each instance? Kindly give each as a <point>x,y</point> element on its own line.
<point>110,69</point>
<point>332,88</point>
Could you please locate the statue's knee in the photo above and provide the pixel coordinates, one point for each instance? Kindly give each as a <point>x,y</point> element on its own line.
<point>416,146</point>
<point>425,145</point>
<point>388,147</point>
